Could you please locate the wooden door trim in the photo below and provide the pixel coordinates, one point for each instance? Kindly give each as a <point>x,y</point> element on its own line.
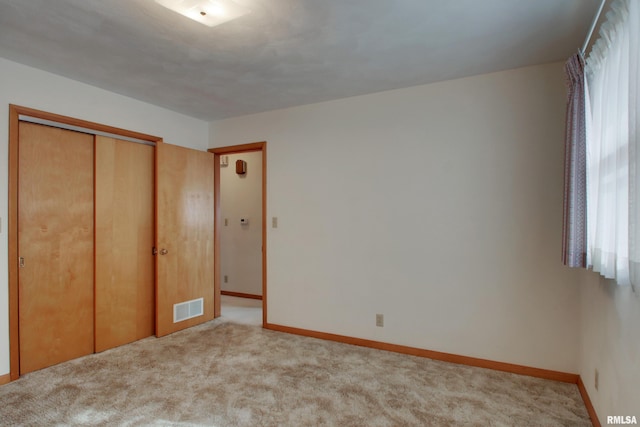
<point>71,121</point>
<point>235,149</point>
<point>12,226</point>
<point>15,111</point>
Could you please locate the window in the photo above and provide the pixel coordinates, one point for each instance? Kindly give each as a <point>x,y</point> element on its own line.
<point>612,146</point>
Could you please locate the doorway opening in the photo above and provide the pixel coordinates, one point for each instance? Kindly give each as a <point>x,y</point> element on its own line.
<point>240,255</point>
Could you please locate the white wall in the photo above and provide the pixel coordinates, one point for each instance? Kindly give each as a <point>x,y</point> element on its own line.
<point>33,88</point>
<point>610,343</point>
<point>439,206</point>
<point>241,245</point>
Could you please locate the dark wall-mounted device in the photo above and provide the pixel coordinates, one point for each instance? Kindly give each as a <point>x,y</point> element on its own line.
<point>241,167</point>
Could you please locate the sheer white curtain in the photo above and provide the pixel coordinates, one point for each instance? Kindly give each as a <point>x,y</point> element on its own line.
<point>613,168</point>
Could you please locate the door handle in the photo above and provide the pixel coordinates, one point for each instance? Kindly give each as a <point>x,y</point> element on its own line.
<point>163,251</point>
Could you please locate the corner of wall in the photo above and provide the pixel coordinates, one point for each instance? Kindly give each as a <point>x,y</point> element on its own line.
<point>610,346</point>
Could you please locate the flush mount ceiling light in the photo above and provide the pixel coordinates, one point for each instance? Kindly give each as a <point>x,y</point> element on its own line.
<point>207,12</point>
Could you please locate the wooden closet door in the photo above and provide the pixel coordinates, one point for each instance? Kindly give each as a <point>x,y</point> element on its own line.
<point>124,283</point>
<point>184,233</point>
<point>55,239</point>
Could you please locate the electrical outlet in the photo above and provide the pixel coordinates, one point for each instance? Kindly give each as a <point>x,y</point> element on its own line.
<point>274,222</point>
<point>226,279</point>
<point>380,320</point>
<point>226,222</point>
<point>596,379</point>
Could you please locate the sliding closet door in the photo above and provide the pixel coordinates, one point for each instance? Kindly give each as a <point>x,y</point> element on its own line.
<point>55,242</point>
<point>184,221</point>
<point>124,282</point>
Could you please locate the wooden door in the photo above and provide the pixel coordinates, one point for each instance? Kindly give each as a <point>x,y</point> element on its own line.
<point>184,233</point>
<point>55,239</point>
<point>124,280</point>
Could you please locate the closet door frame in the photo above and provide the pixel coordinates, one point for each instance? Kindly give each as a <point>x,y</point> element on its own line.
<point>15,111</point>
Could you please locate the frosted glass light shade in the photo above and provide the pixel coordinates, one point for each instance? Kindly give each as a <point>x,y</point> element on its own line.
<point>207,12</point>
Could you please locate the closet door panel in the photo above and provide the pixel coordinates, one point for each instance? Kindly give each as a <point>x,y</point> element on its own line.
<point>184,221</point>
<point>124,282</point>
<point>55,239</point>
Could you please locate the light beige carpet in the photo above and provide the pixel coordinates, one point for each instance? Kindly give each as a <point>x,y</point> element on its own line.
<point>227,374</point>
<point>241,310</point>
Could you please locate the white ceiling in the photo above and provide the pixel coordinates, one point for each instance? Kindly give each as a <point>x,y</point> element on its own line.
<point>286,52</point>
